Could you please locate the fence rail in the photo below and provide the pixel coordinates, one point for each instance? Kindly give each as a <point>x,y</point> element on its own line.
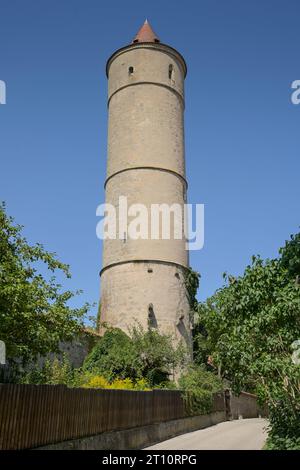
<point>37,415</point>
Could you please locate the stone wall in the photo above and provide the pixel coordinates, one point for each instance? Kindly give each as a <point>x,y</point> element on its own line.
<point>143,436</point>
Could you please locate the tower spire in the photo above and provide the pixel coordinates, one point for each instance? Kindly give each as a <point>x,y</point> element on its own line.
<point>146,34</point>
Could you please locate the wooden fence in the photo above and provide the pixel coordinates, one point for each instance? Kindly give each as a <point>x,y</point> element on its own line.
<point>37,415</point>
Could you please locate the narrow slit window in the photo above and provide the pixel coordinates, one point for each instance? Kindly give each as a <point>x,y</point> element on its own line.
<point>130,70</point>
<point>152,322</point>
<point>171,72</point>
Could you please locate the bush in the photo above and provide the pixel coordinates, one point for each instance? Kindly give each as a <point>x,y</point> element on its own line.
<point>284,433</point>
<point>119,384</point>
<point>199,386</point>
<point>60,372</point>
<point>284,412</point>
<point>144,354</point>
<point>146,359</point>
<point>113,357</point>
<point>54,372</point>
<point>96,381</point>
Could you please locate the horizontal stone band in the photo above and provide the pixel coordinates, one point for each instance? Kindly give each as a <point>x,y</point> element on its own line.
<point>155,168</point>
<point>154,261</point>
<point>147,83</point>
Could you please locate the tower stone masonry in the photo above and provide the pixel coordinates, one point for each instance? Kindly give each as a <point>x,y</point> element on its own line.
<point>144,280</point>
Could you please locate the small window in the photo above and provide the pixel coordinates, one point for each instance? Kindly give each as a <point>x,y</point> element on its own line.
<point>180,323</point>
<point>177,275</point>
<point>150,310</point>
<point>150,270</point>
<point>130,70</point>
<point>171,72</point>
<point>152,322</point>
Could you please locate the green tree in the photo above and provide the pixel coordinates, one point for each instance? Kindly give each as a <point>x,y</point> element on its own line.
<point>250,325</point>
<point>34,311</point>
<point>252,322</point>
<point>290,256</point>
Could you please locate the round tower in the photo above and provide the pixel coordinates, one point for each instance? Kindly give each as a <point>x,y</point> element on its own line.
<point>143,280</point>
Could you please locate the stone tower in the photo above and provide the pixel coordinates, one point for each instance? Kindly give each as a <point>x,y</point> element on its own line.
<point>144,280</point>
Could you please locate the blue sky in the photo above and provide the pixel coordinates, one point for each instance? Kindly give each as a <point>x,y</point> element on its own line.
<point>242,131</point>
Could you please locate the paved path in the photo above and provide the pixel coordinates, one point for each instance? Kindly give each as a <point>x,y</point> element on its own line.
<point>243,434</point>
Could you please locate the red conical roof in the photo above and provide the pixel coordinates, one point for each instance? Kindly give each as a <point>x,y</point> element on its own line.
<point>146,34</point>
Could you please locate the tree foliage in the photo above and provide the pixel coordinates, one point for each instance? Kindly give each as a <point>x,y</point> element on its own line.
<point>249,327</point>
<point>34,311</point>
<point>252,322</point>
<point>290,256</point>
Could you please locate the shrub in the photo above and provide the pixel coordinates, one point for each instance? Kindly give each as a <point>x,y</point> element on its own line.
<point>113,357</point>
<point>119,384</point>
<point>284,433</point>
<point>284,410</point>
<point>199,386</point>
<point>97,381</point>
<point>54,371</point>
<point>144,354</point>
